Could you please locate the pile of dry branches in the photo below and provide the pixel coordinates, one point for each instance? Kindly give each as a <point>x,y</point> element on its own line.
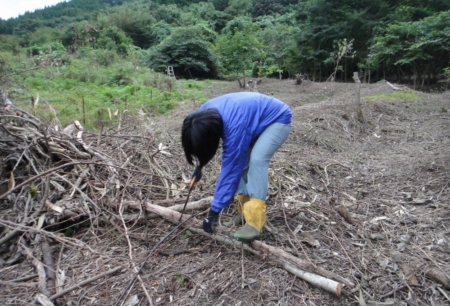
<point>55,180</point>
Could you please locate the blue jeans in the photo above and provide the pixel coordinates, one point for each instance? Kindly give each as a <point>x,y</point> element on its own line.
<point>255,178</point>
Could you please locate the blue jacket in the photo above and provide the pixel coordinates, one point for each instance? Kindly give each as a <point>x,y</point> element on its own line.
<point>245,116</point>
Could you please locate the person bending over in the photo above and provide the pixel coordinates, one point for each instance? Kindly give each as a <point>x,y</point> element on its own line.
<point>252,127</point>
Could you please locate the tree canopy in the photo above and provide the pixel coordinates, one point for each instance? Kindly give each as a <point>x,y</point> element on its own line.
<point>400,40</point>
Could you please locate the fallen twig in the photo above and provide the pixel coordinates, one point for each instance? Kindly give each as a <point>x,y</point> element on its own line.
<point>49,266</point>
<point>17,284</point>
<point>130,254</point>
<point>85,282</point>
<point>280,256</point>
<point>42,285</point>
<point>133,279</point>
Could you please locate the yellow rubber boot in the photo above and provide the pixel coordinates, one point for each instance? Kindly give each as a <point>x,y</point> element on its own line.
<point>255,217</point>
<point>242,199</point>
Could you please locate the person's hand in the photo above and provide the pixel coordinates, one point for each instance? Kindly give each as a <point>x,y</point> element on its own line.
<point>197,174</point>
<point>209,223</point>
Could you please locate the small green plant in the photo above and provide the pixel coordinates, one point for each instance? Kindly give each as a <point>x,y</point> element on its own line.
<point>181,280</point>
<point>186,235</point>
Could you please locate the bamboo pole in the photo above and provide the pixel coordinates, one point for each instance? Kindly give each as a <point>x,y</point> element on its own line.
<point>258,248</point>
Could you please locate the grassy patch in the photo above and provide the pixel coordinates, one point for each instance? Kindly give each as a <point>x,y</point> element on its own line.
<point>81,88</point>
<point>396,96</point>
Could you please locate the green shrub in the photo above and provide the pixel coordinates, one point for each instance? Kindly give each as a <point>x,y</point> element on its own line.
<point>105,57</point>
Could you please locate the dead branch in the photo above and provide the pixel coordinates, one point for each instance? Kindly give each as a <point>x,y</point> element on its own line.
<point>342,210</point>
<point>393,87</point>
<point>196,205</point>
<point>279,256</point>
<point>49,266</point>
<point>130,255</point>
<point>439,276</point>
<point>85,282</point>
<point>43,300</point>
<point>42,285</point>
<point>33,178</point>
<point>66,240</point>
<point>16,284</point>
<point>13,233</point>
<point>204,203</point>
<point>79,138</point>
<point>279,253</point>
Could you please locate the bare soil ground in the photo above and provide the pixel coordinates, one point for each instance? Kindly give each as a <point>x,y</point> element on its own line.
<point>389,172</point>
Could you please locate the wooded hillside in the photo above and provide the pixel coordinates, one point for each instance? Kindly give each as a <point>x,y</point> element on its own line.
<point>403,41</point>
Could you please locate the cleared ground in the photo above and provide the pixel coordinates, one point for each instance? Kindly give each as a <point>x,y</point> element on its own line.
<point>388,169</point>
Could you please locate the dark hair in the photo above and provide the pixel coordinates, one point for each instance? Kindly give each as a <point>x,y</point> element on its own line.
<point>201,134</point>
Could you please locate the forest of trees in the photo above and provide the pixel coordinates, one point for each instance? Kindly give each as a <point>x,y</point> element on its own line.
<point>405,41</point>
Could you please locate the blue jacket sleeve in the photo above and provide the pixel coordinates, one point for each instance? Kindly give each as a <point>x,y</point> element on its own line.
<point>235,149</point>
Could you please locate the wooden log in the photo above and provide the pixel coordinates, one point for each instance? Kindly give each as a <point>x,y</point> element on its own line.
<point>392,86</point>
<point>277,255</point>
<point>303,264</point>
<point>196,205</point>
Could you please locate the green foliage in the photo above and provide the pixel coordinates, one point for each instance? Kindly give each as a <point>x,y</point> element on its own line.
<point>135,23</point>
<point>220,5</point>
<point>413,45</point>
<point>277,40</point>
<point>186,235</point>
<point>56,48</point>
<point>168,13</point>
<point>9,43</point>
<point>266,7</point>
<point>321,22</point>
<point>121,77</point>
<point>159,31</point>
<point>112,38</point>
<point>105,57</point>
<point>181,280</point>
<point>43,35</point>
<point>415,10</point>
<point>187,50</point>
<point>401,39</point>
<point>238,7</point>
<point>238,50</point>
<point>80,35</point>
<point>52,54</point>
<point>240,23</point>
<point>117,87</point>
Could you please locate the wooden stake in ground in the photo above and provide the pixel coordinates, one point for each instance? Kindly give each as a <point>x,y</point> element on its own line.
<point>358,97</point>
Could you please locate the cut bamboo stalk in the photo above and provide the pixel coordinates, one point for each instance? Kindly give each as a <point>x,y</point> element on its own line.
<point>277,255</point>
<point>197,205</point>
